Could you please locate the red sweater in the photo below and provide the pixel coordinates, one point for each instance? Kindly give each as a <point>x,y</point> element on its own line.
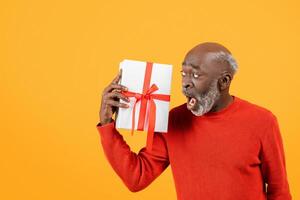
<point>226,155</point>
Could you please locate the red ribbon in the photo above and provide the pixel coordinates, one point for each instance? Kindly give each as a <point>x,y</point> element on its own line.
<point>145,97</point>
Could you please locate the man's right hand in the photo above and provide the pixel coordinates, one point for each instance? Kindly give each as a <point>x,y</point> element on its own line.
<point>110,100</point>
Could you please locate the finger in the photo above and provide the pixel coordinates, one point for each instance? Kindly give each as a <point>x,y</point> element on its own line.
<point>116,87</point>
<point>117,95</point>
<point>117,78</point>
<point>116,90</point>
<point>116,104</point>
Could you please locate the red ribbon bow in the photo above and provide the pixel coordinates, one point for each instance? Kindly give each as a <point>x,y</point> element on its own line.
<point>145,97</point>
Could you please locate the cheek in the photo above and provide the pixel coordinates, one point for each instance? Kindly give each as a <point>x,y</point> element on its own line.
<point>201,86</point>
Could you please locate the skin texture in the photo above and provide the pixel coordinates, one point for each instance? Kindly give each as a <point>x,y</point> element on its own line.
<point>198,60</point>
<point>110,99</point>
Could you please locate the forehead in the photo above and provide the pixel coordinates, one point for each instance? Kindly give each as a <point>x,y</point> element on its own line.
<point>205,63</point>
<point>200,62</point>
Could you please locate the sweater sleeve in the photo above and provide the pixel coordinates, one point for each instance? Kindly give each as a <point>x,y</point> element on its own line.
<point>136,171</point>
<point>273,163</point>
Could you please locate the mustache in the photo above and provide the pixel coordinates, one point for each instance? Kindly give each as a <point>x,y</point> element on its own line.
<point>187,93</point>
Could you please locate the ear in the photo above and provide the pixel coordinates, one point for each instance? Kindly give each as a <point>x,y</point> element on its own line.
<point>224,81</point>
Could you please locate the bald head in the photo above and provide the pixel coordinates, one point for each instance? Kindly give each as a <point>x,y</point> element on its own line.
<point>208,52</point>
<point>209,47</point>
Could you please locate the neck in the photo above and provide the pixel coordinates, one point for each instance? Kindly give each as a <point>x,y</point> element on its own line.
<point>222,102</point>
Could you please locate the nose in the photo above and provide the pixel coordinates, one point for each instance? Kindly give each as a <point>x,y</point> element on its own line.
<point>186,84</point>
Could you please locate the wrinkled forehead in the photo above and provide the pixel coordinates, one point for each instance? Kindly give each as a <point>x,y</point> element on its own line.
<point>202,62</point>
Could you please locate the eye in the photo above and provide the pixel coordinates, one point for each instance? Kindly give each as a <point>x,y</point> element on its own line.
<point>195,75</point>
<point>183,73</point>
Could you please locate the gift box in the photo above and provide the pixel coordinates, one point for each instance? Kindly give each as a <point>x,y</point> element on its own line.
<point>149,86</point>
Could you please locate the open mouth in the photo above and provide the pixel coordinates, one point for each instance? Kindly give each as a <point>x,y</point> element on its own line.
<point>191,102</point>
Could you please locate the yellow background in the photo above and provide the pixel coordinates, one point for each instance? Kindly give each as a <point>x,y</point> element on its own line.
<point>56,57</point>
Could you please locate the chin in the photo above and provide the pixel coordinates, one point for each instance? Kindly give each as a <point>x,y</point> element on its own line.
<point>201,110</point>
<point>198,110</point>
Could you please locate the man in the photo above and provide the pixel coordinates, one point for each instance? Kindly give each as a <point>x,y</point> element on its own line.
<point>219,146</point>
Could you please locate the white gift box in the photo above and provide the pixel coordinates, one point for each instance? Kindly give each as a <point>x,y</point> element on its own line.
<point>133,77</point>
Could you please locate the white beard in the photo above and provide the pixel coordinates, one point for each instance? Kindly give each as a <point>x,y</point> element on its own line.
<point>206,101</point>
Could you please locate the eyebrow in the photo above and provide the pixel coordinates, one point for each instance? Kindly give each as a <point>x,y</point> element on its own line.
<point>192,65</point>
